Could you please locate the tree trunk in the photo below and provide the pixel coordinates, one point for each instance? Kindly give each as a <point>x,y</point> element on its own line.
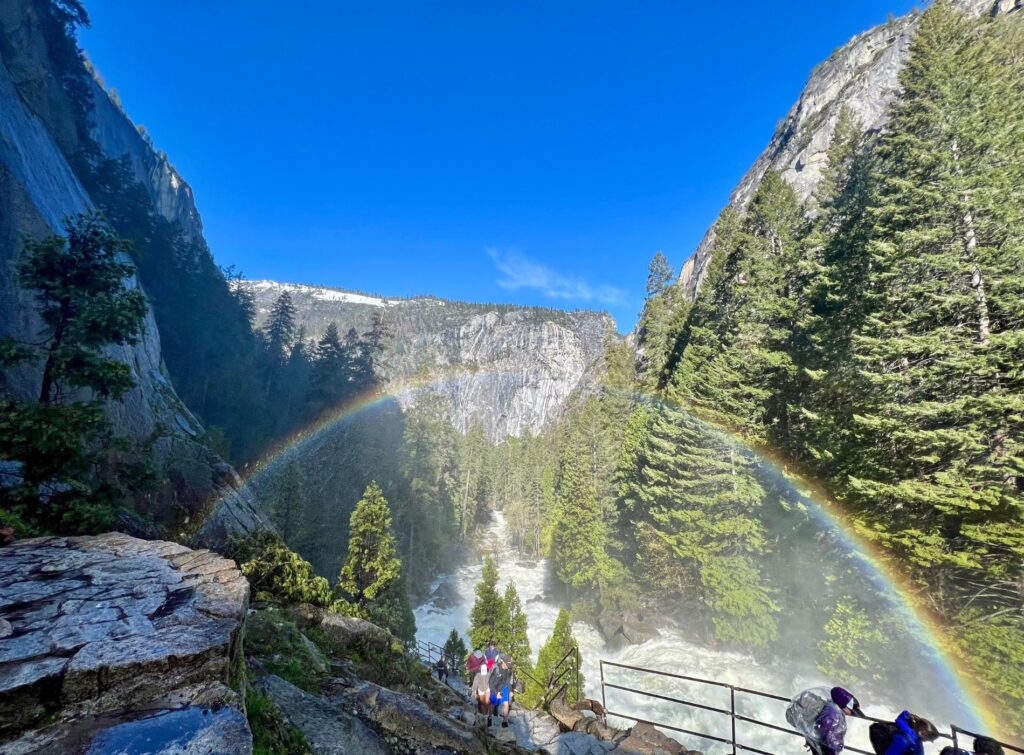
<point>970,244</point>
<point>977,279</point>
<point>51,357</point>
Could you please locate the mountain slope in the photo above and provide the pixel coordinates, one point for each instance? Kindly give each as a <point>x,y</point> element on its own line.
<point>512,369</point>
<point>40,126</point>
<point>862,75</point>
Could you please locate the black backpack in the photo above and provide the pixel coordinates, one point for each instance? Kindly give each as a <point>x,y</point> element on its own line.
<point>881,735</point>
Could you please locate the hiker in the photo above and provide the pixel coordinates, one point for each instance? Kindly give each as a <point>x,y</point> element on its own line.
<point>480,691</point>
<point>820,715</point>
<point>982,746</point>
<point>501,686</point>
<point>911,734</point>
<point>442,669</point>
<point>987,746</point>
<point>473,663</point>
<point>491,653</point>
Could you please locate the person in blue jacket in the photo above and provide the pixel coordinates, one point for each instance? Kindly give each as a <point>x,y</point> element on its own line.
<point>911,734</point>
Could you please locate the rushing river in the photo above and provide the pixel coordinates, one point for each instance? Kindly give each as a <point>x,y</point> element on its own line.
<point>918,686</point>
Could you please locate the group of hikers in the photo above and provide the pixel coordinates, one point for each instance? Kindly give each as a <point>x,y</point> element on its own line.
<point>492,684</point>
<point>819,714</point>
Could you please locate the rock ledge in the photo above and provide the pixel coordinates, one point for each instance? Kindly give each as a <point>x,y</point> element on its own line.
<point>111,627</point>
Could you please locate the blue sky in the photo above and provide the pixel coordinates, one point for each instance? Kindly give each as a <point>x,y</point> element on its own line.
<point>534,152</point>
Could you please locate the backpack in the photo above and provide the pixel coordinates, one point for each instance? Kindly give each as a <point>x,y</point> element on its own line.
<point>881,735</point>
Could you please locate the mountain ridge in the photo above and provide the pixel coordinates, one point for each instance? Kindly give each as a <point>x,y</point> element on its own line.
<point>861,75</point>
<point>514,369</point>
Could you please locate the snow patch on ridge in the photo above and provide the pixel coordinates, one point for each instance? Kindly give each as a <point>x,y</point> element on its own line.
<point>324,294</point>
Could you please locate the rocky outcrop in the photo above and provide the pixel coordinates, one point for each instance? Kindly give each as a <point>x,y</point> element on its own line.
<point>327,728</point>
<point>619,629</point>
<point>408,718</point>
<point>587,733</point>
<point>111,637</point>
<point>862,76</point>
<point>513,369</point>
<point>38,190</point>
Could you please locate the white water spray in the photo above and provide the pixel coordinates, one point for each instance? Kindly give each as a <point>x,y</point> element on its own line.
<point>671,652</point>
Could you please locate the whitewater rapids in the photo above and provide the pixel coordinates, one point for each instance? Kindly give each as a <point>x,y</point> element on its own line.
<point>671,652</point>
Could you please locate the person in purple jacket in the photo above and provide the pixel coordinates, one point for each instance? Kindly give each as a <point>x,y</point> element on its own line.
<point>820,715</point>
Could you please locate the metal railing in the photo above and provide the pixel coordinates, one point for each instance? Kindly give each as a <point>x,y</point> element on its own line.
<point>565,672</point>
<point>972,735</point>
<point>734,716</point>
<point>430,653</point>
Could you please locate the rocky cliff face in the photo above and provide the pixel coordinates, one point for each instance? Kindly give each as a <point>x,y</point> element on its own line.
<point>109,641</point>
<point>38,189</point>
<point>862,76</point>
<point>513,369</point>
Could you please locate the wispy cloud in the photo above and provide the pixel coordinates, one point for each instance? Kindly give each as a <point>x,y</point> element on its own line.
<point>519,272</point>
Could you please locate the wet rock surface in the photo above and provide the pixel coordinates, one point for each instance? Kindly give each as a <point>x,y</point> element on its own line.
<point>586,733</point>
<point>409,719</point>
<point>113,626</point>
<point>328,729</point>
<point>620,629</point>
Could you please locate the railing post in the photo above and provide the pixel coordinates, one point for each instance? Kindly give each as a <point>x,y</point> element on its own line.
<point>732,716</point>
<point>579,691</point>
<point>955,743</point>
<point>604,704</point>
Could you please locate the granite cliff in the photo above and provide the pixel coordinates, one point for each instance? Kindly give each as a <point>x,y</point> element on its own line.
<point>513,369</point>
<point>862,75</point>
<point>40,127</point>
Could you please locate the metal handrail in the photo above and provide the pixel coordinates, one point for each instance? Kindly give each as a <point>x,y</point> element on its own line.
<point>731,711</point>
<point>973,734</point>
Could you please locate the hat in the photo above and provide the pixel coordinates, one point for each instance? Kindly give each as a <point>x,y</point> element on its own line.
<point>845,699</point>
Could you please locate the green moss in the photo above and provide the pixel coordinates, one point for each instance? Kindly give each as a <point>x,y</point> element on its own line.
<point>274,639</point>
<point>270,734</point>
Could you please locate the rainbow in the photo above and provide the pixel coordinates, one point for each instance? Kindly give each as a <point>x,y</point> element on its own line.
<point>880,567</point>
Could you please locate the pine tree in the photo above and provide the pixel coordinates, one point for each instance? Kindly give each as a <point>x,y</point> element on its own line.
<point>83,299</point>
<point>425,519</point>
<point>694,505</point>
<point>659,275</point>
<point>737,365</point>
<point>372,573</point>
<point>552,660</point>
<point>490,613</point>
<point>375,342</point>
<point>937,459</point>
<point>289,502</point>
<point>455,650</point>
<point>513,637</point>
<point>329,378</point>
<point>579,533</point>
<point>831,306</point>
<point>63,441</point>
<point>280,328</point>
<point>660,321</point>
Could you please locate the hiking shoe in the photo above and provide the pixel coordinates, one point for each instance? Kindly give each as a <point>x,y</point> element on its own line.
<point>504,724</point>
